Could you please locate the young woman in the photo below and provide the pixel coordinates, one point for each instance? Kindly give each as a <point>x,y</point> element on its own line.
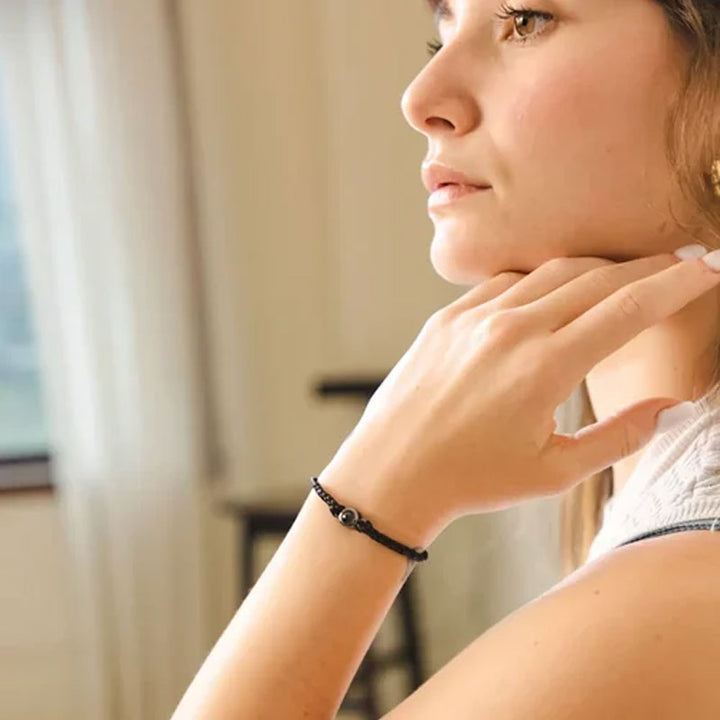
<point>570,154</point>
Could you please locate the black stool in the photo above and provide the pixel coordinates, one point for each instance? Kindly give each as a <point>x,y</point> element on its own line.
<point>274,518</point>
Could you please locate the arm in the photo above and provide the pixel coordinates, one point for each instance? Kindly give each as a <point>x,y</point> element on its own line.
<point>615,639</point>
<point>297,640</point>
<point>465,422</point>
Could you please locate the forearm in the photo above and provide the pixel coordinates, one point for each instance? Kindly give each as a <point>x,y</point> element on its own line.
<point>297,640</point>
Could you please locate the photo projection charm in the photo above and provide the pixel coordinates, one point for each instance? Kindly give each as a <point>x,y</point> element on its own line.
<point>349,517</point>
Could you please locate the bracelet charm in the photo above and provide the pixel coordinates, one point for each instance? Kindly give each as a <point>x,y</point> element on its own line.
<point>349,517</point>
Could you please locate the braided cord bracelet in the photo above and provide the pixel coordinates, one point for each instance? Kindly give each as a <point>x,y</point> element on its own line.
<point>350,518</point>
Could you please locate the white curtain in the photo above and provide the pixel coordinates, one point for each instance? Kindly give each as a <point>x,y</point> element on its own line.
<point>91,88</point>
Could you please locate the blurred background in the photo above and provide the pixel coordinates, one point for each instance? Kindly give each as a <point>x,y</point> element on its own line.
<point>213,247</point>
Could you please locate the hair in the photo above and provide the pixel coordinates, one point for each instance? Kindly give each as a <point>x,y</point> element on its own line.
<point>693,148</point>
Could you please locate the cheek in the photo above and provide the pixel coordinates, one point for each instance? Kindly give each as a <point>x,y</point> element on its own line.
<point>559,129</point>
<point>581,143</point>
<point>576,150</point>
<point>591,102</point>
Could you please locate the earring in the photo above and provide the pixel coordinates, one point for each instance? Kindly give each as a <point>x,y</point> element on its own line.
<point>715,177</point>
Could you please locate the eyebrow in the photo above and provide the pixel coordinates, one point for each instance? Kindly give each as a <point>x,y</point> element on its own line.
<point>440,10</point>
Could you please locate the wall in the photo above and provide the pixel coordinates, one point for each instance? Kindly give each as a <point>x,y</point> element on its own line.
<point>36,639</point>
<point>315,261</point>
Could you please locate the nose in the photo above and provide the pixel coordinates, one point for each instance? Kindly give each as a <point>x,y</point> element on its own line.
<point>440,99</point>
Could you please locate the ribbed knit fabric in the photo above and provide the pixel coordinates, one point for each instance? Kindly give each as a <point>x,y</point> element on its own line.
<point>676,479</point>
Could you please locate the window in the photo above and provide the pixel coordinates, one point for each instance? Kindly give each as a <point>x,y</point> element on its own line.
<point>23,433</point>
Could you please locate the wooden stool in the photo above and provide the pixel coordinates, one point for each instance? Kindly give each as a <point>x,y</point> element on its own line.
<point>257,519</point>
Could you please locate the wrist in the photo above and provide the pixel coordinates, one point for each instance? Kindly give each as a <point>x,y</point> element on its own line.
<point>392,508</point>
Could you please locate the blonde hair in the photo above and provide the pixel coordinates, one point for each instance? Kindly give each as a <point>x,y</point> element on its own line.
<point>693,145</point>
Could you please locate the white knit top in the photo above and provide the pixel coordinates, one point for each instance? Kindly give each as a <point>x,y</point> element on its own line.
<point>676,479</point>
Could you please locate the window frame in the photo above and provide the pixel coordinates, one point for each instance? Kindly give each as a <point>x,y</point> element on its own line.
<point>20,471</point>
<point>25,473</point>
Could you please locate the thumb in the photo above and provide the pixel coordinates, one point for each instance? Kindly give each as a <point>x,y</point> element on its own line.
<point>600,445</point>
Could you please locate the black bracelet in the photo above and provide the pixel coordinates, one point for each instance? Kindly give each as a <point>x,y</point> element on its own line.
<point>351,518</point>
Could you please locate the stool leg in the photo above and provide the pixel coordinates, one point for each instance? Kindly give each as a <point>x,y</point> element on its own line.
<point>247,539</point>
<point>410,628</point>
<point>369,677</point>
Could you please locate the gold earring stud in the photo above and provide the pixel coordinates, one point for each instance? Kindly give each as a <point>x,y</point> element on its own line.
<point>715,177</point>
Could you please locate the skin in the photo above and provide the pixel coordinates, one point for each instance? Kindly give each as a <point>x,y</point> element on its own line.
<point>568,129</point>
<point>523,117</point>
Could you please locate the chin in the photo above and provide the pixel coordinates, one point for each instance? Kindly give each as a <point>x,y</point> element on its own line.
<point>465,258</point>
<point>469,251</point>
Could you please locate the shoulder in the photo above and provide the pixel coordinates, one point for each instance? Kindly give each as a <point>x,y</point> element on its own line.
<point>632,634</point>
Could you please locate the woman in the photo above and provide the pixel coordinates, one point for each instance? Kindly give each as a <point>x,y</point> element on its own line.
<point>553,193</point>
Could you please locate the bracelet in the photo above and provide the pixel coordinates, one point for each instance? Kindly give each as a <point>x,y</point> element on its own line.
<point>351,518</point>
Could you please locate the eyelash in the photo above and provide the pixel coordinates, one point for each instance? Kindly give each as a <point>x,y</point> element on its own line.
<point>506,12</point>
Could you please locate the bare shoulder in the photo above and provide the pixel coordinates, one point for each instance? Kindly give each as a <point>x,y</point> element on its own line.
<point>634,634</point>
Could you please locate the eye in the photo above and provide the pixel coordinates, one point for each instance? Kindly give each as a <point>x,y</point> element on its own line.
<point>525,21</point>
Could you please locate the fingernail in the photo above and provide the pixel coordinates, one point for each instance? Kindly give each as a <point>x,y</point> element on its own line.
<point>690,252</point>
<point>713,260</point>
<point>674,416</point>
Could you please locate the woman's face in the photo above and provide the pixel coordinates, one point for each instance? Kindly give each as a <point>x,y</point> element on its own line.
<point>567,128</point>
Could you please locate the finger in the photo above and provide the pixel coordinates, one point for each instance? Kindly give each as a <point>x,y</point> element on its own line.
<point>572,458</point>
<point>569,301</point>
<point>512,289</point>
<point>552,275</point>
<point>486,291</point>
<point>607,326</point>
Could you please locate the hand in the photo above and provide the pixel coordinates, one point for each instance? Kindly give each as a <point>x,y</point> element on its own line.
<point>464,422</point>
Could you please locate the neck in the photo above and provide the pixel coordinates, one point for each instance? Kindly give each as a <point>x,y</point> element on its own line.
<point>675,358</point>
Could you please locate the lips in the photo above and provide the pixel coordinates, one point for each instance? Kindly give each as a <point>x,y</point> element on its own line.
<point>436,176</point>
<point>449,193</point>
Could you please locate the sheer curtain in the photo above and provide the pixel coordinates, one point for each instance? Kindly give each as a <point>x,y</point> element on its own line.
<point>91,90</point>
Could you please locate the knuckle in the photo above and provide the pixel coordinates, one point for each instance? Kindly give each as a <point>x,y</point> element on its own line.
<point>439,318</point>
<point>438,322</point>
<point>558,264</point>
<point>506,323</point>
<point>560,466</point>
<point>628,304</point>
<point>603,277</point>
<point>455,308</point>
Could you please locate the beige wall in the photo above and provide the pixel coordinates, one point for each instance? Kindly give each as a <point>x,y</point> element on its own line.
<point>316,261</point>
<point>317,241</point>
<point>36,639</point>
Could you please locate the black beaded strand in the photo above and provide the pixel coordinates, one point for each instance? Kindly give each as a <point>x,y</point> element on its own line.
<point>351,518</point>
